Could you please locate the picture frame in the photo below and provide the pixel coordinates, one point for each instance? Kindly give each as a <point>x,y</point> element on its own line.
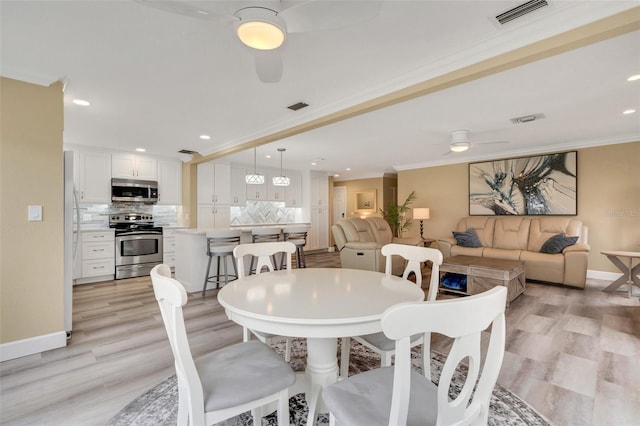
<point>541,185</point>
<point>365,201</point>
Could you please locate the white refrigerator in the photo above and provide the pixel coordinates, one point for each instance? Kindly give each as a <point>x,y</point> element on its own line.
<point>71,224</point>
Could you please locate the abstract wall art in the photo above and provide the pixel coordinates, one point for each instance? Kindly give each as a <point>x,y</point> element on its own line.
<point>532,186</point>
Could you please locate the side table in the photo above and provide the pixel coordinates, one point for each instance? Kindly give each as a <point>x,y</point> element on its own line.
<point>629,272</point>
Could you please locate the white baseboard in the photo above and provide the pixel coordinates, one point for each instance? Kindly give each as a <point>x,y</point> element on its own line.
<point>32,345</point>
<point>603,275</point>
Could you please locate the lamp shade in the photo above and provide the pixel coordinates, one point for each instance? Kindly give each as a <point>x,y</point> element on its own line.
<point>421,213</point>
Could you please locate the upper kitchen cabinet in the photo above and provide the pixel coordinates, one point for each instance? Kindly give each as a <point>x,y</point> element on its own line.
<point>258,192</point>
<point>169,182</point>
<point>93,177</point>
<point>130,166</point>
<point>214,183</point>
<point>238,186</point>
<point>274,192</point>
<point>293,192</point>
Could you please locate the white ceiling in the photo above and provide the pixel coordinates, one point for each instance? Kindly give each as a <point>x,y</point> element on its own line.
<point>158,80</point>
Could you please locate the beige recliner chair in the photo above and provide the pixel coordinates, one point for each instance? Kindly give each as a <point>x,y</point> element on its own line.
<point>360,240</point>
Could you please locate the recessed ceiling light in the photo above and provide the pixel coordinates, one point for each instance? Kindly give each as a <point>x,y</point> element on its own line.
<point>634,77</point>
<point>348,169</point>
<point>140,149</point>
<point>313,164</point>
<point>336,175</point>
<point>628,111</point>
<point>205,137</point>
<point>81,102</point>
<point>268,156</point>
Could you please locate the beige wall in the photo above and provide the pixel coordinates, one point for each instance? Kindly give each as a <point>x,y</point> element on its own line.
<point>31,173</point>
<point>360,185</point>
<point>608,198</point>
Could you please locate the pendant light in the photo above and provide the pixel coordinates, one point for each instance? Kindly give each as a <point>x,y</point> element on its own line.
<point>281,180</point>
<point>255,178</point>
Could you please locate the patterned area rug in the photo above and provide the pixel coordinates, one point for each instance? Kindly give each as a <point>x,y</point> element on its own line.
<point>159,405</point>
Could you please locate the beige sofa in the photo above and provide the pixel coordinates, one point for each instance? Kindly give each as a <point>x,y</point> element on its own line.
<point>520,238</point>
<point>360,240</point>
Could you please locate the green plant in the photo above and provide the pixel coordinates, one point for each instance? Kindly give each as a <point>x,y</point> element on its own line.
<point>395,215</point>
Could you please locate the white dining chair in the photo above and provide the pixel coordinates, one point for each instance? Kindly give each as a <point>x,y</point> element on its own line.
<point>414,256</point>
<point>399,395</point>
<point>224,383</point>
<point>262,254</point>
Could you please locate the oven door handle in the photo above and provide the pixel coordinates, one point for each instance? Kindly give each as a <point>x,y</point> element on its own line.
<point>130,233</point>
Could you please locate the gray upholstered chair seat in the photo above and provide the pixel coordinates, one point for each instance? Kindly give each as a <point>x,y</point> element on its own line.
<point>241,373</point>
<point>382,342</point>
<point>365,399</point>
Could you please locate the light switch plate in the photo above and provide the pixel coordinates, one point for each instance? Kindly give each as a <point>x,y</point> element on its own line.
<point>35,213</point>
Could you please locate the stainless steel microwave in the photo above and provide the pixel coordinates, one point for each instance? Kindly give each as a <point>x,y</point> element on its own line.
<point>133,190</point>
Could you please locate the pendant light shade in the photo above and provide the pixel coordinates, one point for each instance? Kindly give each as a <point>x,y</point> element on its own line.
<point>281,180</point>
<point>254,178</point>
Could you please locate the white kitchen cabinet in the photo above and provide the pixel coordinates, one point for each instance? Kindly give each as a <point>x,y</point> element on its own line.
<point>93,177</point>
<point>238,187</point>
<point>169,246</point>
<point>293,192</point>
<point>213,216</point>
<point>130,166</point>
<point>274,192</point>
<point>319,190</point>
<point>98,255</point>
<point>169,182</point>
<point>257,192</point>
<point>318,238</point>
<point>214,183</point>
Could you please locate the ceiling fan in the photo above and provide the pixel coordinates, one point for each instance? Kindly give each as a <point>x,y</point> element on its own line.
<point>264,25</point>
<point>460,142</point>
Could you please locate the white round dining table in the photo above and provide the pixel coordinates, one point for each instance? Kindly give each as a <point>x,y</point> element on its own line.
<point>319,304</point>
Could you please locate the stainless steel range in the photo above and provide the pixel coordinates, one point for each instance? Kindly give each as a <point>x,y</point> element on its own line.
<point>138,244</point>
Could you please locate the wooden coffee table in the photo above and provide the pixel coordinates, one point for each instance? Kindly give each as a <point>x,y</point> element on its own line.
<point>484,273</point>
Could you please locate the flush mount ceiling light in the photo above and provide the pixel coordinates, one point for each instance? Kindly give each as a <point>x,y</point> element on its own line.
<point>254,178</point>
<point>260,28</point>
<point>140,149</point>
<point>281,180</point>
<point>81,102</point>
<point>459,141</point>
<point>205,137</point>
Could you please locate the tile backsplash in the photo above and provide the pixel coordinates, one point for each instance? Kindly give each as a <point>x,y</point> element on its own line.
<point>97,215</point>
<point>267,212</point>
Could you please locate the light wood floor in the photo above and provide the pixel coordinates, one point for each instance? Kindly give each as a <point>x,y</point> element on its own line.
<point>572,354</point>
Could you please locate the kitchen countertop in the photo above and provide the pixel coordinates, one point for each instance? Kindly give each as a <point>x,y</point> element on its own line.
<point>243,228</point>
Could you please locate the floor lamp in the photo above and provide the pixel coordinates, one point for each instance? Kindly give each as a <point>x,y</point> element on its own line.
<point>421,214</point>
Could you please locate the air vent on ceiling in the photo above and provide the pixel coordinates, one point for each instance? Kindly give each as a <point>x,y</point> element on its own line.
<point>297,106</point>
<point>521,10</point>
<point>527,118</point>
<point>187,151</point>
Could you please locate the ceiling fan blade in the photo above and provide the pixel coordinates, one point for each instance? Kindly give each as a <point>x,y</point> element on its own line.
<point>318,15</point>
<point>488,143</point>
<point>186,9</point>
<point>268,65</point>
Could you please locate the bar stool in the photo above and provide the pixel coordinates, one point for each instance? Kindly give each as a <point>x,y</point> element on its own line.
<point>298,236</point>
<point>220,244</point>
<point>265,235</point>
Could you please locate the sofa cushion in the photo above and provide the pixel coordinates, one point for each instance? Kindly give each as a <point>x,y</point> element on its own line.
<point>482,225</point>
<point>381,230</point>
<point>546,227</point>
<point>557,243</point>
<point>511,233</point>
<point>469,238</point>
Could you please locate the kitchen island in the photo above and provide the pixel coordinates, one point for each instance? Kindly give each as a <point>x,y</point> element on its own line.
<point>191,253</point>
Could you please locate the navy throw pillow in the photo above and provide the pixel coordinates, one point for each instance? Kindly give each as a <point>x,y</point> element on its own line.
<point>469,238</point>
<point>557,243</point>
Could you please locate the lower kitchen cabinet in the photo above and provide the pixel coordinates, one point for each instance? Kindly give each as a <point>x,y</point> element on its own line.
<point>98,256</point>
<point>169,247</point>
